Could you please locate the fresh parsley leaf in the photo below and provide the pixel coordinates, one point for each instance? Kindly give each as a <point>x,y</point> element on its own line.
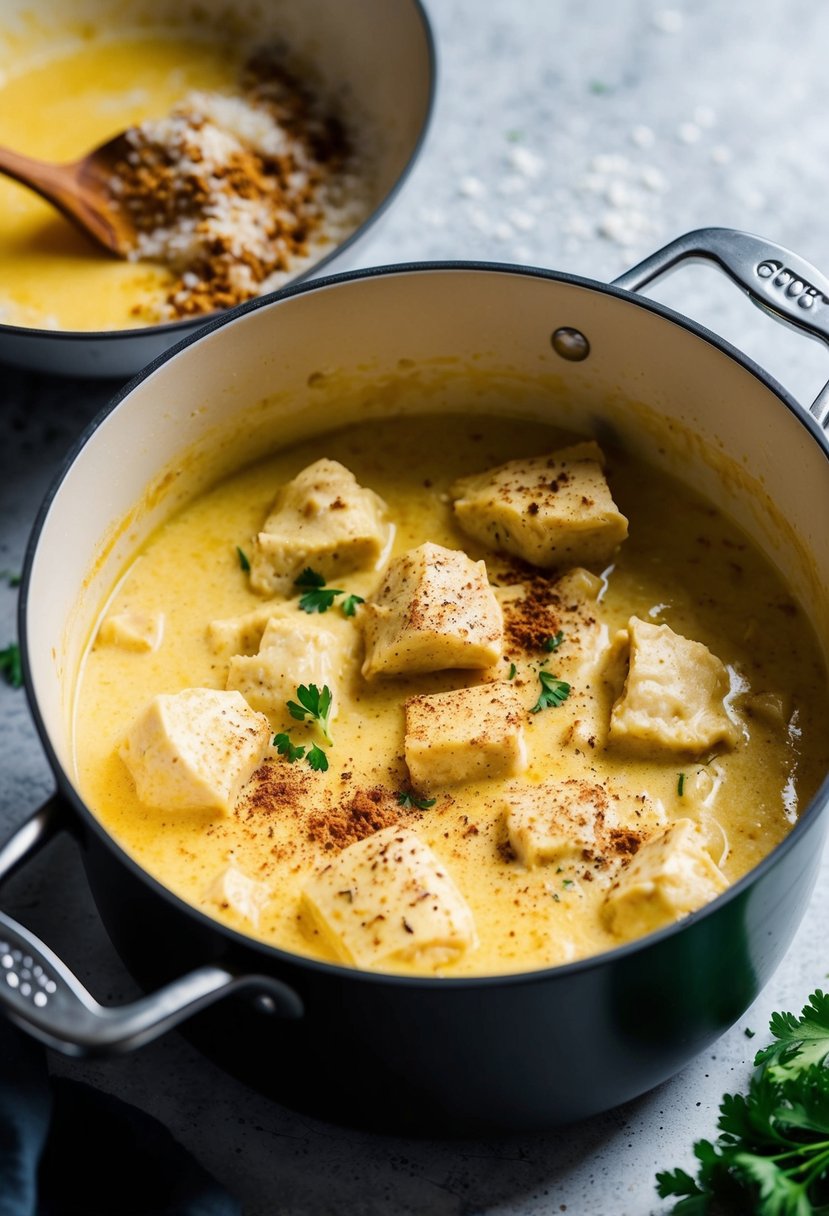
<point>318,600</point>
<point>349,604</point>
<point>772,1154</point>
<point>10,665</point>
<point>317,759</point>
<point>553,643</point>
<point>680,784</point>
<point>286,748</point>
<point>677,1182</point>
<point>309,578</point>
<point>243,560</point>
<point>800,1041</point>
<point>512,671</point>
<point>314,703</point>
<point>407,798</point>
<point>11,578</point>
<point>554,692</point>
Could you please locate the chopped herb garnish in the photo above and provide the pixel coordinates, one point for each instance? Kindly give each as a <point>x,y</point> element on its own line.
<point>349,604</point>
<point>285,747</point>
<point>749,1033</point>
<point>11,578</point>
<point>317,759</point>
<point>318,600</point>
<point>553,643</point>
<point>314,703</point>
<point>772,1155</point>
<point>407,798</point>
<point>680,784</point>
<point>243,560</point>
<point>310,578</point>
<point>567,882</point>
<point>10,665</point>
<point>554,692</point>
<point>512,671</point>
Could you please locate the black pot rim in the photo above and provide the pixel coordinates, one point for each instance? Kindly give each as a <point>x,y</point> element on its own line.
<point>274,954</point>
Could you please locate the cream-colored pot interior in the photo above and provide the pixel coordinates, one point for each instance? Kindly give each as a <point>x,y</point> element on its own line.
<point>427,340</point>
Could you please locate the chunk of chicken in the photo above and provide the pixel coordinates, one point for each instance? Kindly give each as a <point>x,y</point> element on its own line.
<point>294,650</point>
<point>556,821</point>
<point>434,610</point>
<point>674,693</point>
<point>549,510</point>
<point>323,519</point>
<point>234,889</point>
<point>469,734</point>
<point>195,750</point>
<point>388,899</point>
<point>671,875</point>
<point>140,631</point>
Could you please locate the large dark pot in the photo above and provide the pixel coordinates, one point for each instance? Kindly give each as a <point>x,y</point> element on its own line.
<point>527,1050</point>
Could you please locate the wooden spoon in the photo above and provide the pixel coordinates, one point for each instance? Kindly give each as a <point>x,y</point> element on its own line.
<point>81,190</point>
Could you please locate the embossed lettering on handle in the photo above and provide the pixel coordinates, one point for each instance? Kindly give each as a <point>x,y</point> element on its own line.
<point>777,280</point>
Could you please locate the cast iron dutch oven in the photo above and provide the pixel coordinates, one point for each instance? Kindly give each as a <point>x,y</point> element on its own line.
<point>513,1051</point>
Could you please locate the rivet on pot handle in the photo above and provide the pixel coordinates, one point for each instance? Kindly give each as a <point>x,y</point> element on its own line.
<point>775,279</point>
<point>40,994</point>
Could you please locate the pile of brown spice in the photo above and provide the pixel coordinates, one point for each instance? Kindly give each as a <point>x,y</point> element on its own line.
<point>237,194</point>
<point>532,618</point>
<point>360,815</point>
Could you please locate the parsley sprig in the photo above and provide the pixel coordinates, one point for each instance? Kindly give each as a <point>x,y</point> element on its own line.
<point>313,703</point>
<point>552,643</point>
<point>10,665</point>
<point>349,604</point>
<point>315,755</point>
<point>772,1155</point>
<point>319,597</point>
<point>554,692</point>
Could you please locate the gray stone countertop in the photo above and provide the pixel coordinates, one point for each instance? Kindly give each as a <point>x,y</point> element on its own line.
<point>577,137</point>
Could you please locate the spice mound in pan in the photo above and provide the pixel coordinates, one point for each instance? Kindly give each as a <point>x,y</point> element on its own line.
<point>237,194</point>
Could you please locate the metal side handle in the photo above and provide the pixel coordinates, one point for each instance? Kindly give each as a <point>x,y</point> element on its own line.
<point>42,996</point>
<point>778,281</point>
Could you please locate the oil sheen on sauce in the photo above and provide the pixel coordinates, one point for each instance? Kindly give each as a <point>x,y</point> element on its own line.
<point>683,564</point>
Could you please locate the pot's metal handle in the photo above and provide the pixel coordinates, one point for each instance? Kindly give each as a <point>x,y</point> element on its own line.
<point>40,994</point>
<point>778,281</point>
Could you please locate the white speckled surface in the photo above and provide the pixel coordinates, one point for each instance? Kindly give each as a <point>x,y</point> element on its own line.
<point>579,137</point>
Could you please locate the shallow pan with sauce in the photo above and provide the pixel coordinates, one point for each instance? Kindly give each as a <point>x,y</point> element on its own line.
<point>373,63</point>
<point>509,1051</point>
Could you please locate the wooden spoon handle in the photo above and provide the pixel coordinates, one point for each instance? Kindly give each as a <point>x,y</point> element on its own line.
<point>63,186</point>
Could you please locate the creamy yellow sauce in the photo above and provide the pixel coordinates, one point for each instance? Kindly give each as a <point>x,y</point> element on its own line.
<point>683,564</point>
<point>58,107</point>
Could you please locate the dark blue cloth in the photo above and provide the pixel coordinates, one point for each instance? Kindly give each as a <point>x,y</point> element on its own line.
<point>68,1150</point>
